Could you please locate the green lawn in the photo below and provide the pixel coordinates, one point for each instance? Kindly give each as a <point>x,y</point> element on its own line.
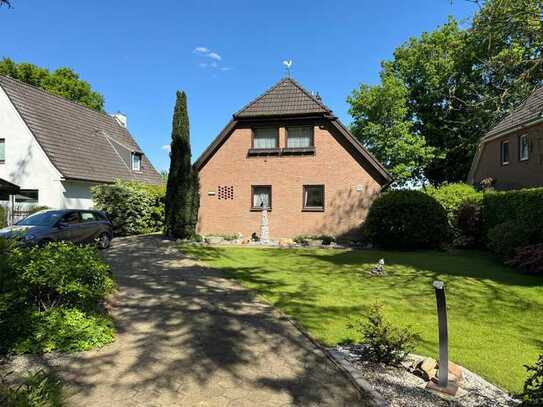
<point>495,313</point>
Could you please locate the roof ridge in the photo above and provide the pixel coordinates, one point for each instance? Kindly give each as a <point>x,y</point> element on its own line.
<point>314,98</point>
<point>256,99</point>
<point>59,97</point>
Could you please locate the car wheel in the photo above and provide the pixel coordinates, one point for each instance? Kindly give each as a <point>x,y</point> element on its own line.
<point>103,241</point>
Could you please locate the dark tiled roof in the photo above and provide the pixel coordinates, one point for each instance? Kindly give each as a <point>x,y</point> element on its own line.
<point>285,98</point>
<point>529,110</point>
<point>81,143</point>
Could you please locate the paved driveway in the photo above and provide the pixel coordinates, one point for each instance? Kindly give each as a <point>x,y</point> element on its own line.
<point>189,337</point>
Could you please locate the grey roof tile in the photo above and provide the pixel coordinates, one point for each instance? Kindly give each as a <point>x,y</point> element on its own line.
<point>81,143</point>
<point>529,110</point>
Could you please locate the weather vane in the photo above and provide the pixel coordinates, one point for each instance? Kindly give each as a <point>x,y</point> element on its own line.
<point>287,65</point>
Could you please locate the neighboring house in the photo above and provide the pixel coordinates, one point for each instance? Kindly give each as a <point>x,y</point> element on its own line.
<point>511,153</point>
<point>287,152</point>
<point>55,149</point>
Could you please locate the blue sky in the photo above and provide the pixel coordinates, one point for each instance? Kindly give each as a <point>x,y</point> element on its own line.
<point>222,53</point>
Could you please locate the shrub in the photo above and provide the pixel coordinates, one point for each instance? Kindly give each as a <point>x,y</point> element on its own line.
<point>304,239</point>
<point>529,258</point>
<point>383,342</point>
<point>132,207</point>
<point>406,220</point>
<point>38,389</point>
<point>452,198</point>
<point>57,274</point>
<point>3,216</point>
<point>62,328</point>
<point>468,224</point>
<point>51,298</point>
<point>532,394</point>
<point>505,237</point>
<point>523,206</point>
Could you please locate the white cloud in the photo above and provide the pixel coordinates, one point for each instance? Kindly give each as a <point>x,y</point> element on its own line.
<point>201,50</point>
<point>166,147</point>
<point>214,55</point>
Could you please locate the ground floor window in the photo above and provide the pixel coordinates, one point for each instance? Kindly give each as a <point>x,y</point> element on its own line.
<point>261,197</point>
<point>27,196</point>
<point>523,147</point>
<point>505,152</point>
<point>314,197</point>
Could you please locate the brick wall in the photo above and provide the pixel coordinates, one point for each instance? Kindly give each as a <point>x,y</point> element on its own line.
<point>349,189</point>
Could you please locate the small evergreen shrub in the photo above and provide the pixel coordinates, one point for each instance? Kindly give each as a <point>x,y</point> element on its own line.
<point>529,259</point>
<point>406,220</point>
<point>383,342</point>
<point>532,394</point>
<point>38,389</point>
<point>505,237</point>
<point>132,207</point>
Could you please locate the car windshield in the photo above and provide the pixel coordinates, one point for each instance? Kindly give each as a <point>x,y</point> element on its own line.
<point>47,218</point>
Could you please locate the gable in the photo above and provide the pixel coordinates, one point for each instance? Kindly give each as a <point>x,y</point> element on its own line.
<point>352,148</point>
<point>81,143</point>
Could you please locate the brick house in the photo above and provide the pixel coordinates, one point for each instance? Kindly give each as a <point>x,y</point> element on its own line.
<point>286,151</point>
<point>511,153</point>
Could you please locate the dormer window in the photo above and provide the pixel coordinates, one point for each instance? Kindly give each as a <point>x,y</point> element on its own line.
<point>136,161</point>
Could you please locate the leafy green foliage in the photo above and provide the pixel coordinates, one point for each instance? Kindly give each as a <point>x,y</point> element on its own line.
<point>532,394</point>
<point>406,219</point>
<point>183,188</point>
<point>38,389</point>
<point>505,237</point>
<point>381,124</point>
<point>529,259</point>
<point>452,197</point>
<point>61,82</point>
<point>3,216</point>
<point>384,342</point>
<point>468,224</point>
<point>455,85</point>
<point>304,239</point>
<point>132,207</point>
<point>62,328</point>
<point>51,298</point>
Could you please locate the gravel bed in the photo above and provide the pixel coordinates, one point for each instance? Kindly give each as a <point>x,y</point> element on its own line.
<point>401,388</point>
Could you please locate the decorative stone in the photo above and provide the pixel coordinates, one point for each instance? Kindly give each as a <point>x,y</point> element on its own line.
<point>264,228</point>
<point>286,243</point>
<point>314,242</point>
<point>214,239</point>
<point>426,369</point>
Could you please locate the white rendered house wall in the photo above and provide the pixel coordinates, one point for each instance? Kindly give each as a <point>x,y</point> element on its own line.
<point>26,164</point>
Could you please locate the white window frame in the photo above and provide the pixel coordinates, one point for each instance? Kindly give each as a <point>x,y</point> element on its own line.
<point>502,152</point>
<point>133,161</point>
<point>3,159</point>
<point>521,138</point>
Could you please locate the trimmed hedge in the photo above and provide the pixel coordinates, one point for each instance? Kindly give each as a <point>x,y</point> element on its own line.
<point>523,206</point>
<point>406,220</point>
<point>133,207</point>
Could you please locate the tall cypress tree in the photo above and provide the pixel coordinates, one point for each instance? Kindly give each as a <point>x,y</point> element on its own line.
<point>182,194</point>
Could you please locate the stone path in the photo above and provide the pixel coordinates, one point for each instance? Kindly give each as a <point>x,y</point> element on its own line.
<point>189,337</point>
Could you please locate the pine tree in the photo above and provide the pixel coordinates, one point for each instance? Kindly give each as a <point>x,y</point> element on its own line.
<point>182,194</point>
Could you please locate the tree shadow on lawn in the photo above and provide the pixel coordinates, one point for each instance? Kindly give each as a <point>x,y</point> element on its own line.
<point>184,329</point>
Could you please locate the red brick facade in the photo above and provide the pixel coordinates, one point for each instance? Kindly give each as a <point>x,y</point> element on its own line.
<point>231,172</point>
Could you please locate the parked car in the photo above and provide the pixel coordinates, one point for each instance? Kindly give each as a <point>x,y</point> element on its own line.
<point>73,225</point>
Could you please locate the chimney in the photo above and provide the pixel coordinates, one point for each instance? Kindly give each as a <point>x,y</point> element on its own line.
<point>121,119</point>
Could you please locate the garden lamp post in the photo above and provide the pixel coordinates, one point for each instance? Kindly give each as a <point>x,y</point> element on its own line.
<point>439,287</point>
